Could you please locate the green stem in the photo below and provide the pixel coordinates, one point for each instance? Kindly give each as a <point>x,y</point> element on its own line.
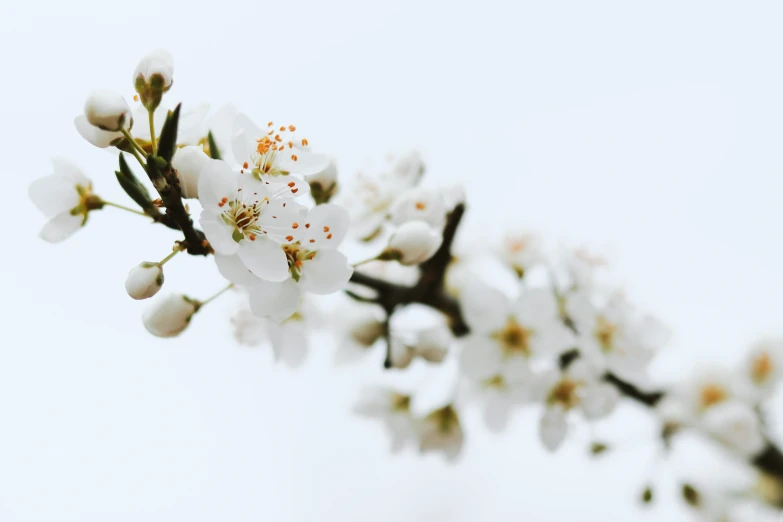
<point>360,263</point>
<point>152,133</point>
<point>133,150</point>
<point>122,207</point>
<point>168,257</point>
<point>218,294</point>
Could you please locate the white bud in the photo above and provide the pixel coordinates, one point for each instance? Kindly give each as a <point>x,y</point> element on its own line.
<point>413,242</point>
<point>432,344</point>
<point>188,162</point>
<point>158,62</point>
<point>107,110</point>
<point>736,425</point>
<point>170,315</point>
<point>144,280</point>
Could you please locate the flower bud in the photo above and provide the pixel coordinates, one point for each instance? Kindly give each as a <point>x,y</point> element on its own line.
<point>323,185</point>
<point>144,280</point>
<point>413,243</point>
<point>153,76</point>
<point>107,110</point>
<point>170,315</point>
<point>366,330</point>
<point>432,344</point>
<point>188,162</point>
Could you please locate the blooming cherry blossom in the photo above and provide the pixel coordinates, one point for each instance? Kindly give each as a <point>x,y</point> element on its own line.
<point>65,198</point>
<point>503,330</point>
<point>522,251</point>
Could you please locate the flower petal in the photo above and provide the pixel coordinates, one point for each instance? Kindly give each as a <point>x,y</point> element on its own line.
<point>306,163</point>
<point>289,341</point>
<point>244,135</point>
<point>599,400</point>
<point>553,427</point>
<point>53,195</point>
<point>484,308</point>
<point>328,225</point>
<point>276,301</point>
<point>481,358</point>
<point>218,234</point>
<point>60,227</point>
<point>67,169</point>
<point>264,258</point>
<point>327,273</point>
<point>233,269</point>
<point>98,137</point>
<point>216,181</point>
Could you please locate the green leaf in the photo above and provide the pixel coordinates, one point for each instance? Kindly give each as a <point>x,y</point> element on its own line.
<point>136,192</point>
<point>168,136</point>
<point>214,152</point>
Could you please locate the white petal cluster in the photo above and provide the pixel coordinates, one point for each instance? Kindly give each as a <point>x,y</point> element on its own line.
<point>62,197</point>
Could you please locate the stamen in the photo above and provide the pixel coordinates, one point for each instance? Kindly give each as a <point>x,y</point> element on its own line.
<point>289,238</point>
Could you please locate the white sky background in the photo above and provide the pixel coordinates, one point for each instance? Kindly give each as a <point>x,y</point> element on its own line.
<point>650,131</point>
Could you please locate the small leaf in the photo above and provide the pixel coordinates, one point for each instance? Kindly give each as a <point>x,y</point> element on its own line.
<point>647,495</point>
<point>167,144</point>
<point>691,496</point>
<point>214,152</point>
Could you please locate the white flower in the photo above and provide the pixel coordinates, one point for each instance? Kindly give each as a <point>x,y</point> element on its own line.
<point>323,184</point>
<point>65,197</point>
<point>158,63</point>
<point>581,267</point>
<point>275,152</point>
<point>170,315</point>
<point>393,409</point>
<point>735,424</point>
<point>188,162</point>
<point>247,221</point>
<point>762,369</point>
<point>413,243</point>
<point>576,388</point>
<point>502,393</point>
<point>502,330</point>
<point>373,196</point>
<point>107,110</point>
<point>420,204</point>
<point>522,251</point>
<point>612,336</point>
<point>144,280</point>
<point>313,263</point>
<point>432,344</point>
<point>360,326</point>
<point>707,388</point>
<point>441,431</point>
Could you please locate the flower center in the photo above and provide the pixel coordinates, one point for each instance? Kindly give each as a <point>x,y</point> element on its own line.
<point>243,217</point>
<point>401,402</point>
<point>296,257</point>
<point>515,339</point>
<point>565,393</point>
<point>273,147</point>
<point>761,368</point>
<point>496,382</point>
<point>445,418</point>
<point>712,394</point>
<point>605,333</point>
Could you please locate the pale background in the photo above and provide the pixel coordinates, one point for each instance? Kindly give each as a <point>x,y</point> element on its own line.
<point>651,131</point>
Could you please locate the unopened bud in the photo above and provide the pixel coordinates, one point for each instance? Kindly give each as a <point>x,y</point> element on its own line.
<point>432,344</point>
<point>323,185</point>
<point>107,110</point>
<point>169,316</point>
<point>188,162</point>
<point>144,280</point>
<point>153,76</point>
<point>412,243</point>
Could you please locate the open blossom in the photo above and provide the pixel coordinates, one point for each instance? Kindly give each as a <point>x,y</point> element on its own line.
<point>502,330</point>
<point>169,315</point>
<point>373,196</point>
<point>736,425</point>
<point>504,392</point>
<point>441,431</point>
<point>274,152</point>
<point>288,339</point>
<point>247,222</point>
<point>522,251</point>
<point>359,327</point>
<point>612,336</point>
<point>576,388</point>
<point>314,265</point>
<point>65,198</point>
<point>393,409</point>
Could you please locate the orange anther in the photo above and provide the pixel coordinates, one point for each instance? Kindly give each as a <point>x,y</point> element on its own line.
<point>295,225</point>
<point>293,157</point>
<point>135,97</point>
<point>329,236</point>
<point>420,206</point>
<point>304,142</point>
<point>291,128</point>
<point>307,225</point>
<point>245,165</point>
<point>294,191</point>
<point>251,237</point>
<point>326,229</point>
<point>298,263</point>
<point>289,238</point>
<point>278,138</point>
<point>269,124</point>
<point>312,240</point>
<point>290,145</point>
<point>291,184</point>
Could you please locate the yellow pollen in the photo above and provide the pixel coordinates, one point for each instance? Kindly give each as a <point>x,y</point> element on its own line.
<point>761,367</point>
<point>326,229</point>
<point>269,124</point>
<point>135,97</point>
<point>329,236</point>
<point>420,206</point>
<point>304,142</point>
<point>712,394</point>
<point>293,157</point>
<point>245,165</point>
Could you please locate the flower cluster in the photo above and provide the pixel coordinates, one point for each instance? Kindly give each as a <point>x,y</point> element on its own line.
<point>507,325</point>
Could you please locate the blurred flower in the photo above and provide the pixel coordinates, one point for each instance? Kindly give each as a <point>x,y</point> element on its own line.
<point>736,425</point>
<point>153,77</point>
<point>522,251</point>
<point>392,408</point>
<point>420,204</point>
<point>762,370</point>
<point>413,243</point>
